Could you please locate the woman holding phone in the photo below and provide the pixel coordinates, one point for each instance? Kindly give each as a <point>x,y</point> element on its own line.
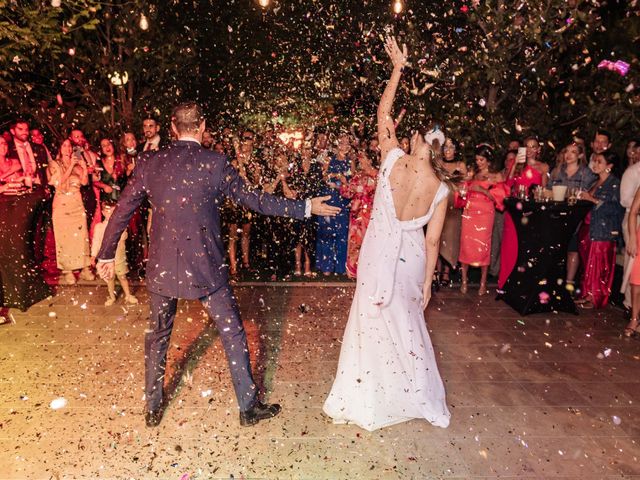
<point>528,169</point>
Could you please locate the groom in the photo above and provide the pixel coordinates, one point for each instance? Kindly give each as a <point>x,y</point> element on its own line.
<point>186,185</point>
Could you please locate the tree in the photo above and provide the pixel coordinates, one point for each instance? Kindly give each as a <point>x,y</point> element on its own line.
<point>92,64</point>
<point>487,69</point>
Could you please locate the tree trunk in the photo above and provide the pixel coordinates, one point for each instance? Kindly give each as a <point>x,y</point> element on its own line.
<point>492,98</point>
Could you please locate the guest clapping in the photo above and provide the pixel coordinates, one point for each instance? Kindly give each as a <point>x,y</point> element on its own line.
<point>306,182</point>
<point>10,168</point>
<point>280,248</point>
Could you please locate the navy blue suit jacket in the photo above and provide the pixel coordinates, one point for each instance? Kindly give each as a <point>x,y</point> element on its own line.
<point>185,185</point>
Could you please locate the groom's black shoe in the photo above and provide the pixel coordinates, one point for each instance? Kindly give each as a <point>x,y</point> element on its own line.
<point>260,411</point>
<point>153,417</point>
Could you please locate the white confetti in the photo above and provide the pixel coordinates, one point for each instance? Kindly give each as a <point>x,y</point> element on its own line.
<point>58,403</point>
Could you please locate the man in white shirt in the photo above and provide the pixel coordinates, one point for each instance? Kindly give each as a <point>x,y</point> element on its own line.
<point>628,187</point>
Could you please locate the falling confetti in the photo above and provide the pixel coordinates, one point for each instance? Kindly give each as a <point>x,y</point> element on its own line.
<point>58,403</point>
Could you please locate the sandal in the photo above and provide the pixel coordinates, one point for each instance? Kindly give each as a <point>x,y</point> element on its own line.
<point>587,305</point>
<point>445,279</point>
<point>629,331</point>
<point>463,287</point>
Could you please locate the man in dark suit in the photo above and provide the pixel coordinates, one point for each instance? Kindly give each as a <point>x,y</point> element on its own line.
<point>185,185</point>
<point>153,141</point>
<point>33,157</point>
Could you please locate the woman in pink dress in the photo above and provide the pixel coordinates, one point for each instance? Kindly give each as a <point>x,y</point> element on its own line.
<point>360,189</point>
<point>479,197</point>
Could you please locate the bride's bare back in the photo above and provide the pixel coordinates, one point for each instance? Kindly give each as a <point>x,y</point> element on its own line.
<point>413,187</point>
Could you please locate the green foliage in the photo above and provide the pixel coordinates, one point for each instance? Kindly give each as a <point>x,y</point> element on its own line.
<point>489,70</point>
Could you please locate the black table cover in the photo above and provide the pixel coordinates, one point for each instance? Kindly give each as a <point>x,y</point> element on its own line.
<point>544,230</point>
<point>21,282</point>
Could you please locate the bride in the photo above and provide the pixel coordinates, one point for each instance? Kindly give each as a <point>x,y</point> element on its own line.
<point>387,371</point>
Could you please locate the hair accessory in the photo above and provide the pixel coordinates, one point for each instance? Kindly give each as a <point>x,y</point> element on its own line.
<point>434,134</point>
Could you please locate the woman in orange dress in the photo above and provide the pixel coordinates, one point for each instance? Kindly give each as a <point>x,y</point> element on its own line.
<point>479,197</point>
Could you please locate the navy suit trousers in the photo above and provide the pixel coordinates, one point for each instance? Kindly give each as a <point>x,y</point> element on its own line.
<point>222,307</point>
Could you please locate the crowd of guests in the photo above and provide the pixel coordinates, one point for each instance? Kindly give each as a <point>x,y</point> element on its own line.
<point>85,183</point>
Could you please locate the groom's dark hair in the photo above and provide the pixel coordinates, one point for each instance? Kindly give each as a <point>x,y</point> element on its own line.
<point>187,117</point>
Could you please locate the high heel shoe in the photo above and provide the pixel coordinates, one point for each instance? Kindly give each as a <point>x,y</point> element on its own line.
<point>483,289</point>
<point>435,283</point>
<point>445,280</point>
<point>463,287</point>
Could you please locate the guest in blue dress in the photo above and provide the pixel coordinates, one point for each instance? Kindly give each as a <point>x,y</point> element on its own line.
<point>333,232</point>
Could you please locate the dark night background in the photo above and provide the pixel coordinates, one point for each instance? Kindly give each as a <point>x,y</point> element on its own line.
<point>489,70</point>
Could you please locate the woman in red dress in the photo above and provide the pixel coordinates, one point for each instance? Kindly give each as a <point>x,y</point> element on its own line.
<point>360,189</point>
<point>479,197</point>
<point>526,173</point>
<point>532,171</point>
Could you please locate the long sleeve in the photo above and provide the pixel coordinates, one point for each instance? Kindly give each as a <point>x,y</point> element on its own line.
<point>234,187</point>
<point>132,196</point>
<point>98,235</point>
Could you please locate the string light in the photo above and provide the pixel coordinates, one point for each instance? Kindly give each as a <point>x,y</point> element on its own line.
<point>56,3</point>
<point>144,22</point>
<point>264,3</point>
<point>398,7</point>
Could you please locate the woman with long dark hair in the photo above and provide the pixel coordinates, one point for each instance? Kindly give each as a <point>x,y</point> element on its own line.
<point>480,197</point>
<point>450,238</point>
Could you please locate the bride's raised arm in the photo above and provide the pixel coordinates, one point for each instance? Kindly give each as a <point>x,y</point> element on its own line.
<point>386,128</point>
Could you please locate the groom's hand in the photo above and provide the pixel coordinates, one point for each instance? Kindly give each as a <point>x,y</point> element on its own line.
<point>318,207</point>
<point>106,270</point>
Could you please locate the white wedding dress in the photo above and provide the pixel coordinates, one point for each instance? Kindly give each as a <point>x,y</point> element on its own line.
<point>387,371</point>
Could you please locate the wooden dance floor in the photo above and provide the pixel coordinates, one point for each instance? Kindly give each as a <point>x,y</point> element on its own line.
<point>544,396</point>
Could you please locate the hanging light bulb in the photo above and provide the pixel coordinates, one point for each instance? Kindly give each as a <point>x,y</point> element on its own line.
<point>398,7</point>
<point>56,3</point>
<point>118,79</point>
<point>264,3</point>
<point>144,22</point>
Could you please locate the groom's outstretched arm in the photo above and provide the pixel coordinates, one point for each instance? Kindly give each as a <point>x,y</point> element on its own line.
<point>234,187</point>
<point>132,196</point>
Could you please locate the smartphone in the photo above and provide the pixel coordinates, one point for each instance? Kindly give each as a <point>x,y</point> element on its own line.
<point>521,156</point>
